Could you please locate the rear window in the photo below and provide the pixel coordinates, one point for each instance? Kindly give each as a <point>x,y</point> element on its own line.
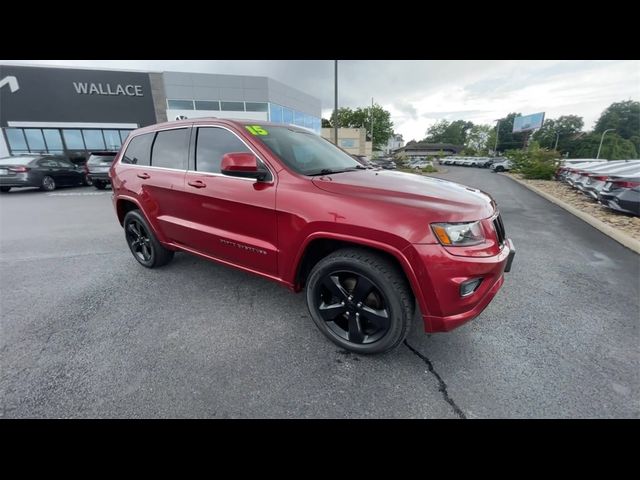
<point>16,160</point>
<point>96,159</point>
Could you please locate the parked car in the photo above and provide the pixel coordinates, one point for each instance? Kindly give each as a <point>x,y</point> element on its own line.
<point>420,164</point>
<point>385,162</point>
<point>591,182</point>
<point>569,166</point>
<point>577,173</point>
<point>97,168</point>
<point>503,166</point>
<point>46,172</point>
<point>622,194</point>
<point>288,205</point>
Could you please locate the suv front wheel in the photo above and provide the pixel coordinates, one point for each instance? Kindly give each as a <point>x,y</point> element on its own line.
<point>360,300</point>
<point>142,242</point>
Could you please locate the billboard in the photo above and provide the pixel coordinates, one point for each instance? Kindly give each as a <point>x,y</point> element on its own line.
<point>528,122</point>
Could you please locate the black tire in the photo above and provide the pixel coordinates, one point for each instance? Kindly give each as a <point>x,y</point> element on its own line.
<point>86,181</point>
<point>48,184</point>
<point>5,189</point>
<point>100,185</point>
<point>499,169</point>
<point>143,243</point>
<point>338,277</point>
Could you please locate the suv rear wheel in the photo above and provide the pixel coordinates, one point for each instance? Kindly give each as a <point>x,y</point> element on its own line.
<point>142,242</point>
<point>360,300</point>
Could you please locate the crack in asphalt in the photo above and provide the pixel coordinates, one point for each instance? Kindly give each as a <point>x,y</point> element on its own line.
<point>442,387</point>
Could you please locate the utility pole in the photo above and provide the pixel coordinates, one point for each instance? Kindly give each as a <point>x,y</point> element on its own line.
<point>335,107</point>
<point>495,148</point>
<point>602,138</point>
<point>557,138</point>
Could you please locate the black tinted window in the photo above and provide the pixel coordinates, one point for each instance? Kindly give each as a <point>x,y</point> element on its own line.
<point>65,163</point>
<point>48,162</point>
<point>212,144</point>
<point>139,149</point>
<point>170,149</point>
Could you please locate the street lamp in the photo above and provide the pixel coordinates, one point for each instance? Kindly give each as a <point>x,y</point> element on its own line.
<point>557,138</point>
<point>602,138</point>
<point>495,148</point>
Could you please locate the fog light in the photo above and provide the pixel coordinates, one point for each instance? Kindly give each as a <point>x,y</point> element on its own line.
<point>470,286</point>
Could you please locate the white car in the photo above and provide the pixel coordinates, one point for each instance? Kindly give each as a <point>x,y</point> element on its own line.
<point>503,166</point>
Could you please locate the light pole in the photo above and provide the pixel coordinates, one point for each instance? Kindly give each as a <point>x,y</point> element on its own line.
<point>335,108</point>
<point>557,138</point>
<point>495,148</point>
<point>371,127</point>
<point>602,138</point>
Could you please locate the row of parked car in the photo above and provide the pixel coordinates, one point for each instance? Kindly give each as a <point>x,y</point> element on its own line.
<point>481,162</point>
<point>48,172</point>
<point>614,184</point>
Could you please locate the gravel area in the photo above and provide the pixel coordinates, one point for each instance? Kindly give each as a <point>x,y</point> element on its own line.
<point>625,223</point>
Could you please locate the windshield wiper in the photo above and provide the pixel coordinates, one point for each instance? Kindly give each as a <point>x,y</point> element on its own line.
<point>327,171</point>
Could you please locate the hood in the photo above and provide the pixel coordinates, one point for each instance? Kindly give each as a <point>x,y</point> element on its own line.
<point>458,202</point>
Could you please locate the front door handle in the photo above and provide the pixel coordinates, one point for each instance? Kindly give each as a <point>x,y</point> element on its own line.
<point>144,176</point>
<point>197,184</point>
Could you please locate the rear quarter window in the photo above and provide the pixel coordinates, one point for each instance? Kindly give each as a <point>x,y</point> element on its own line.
<point>139,150</point>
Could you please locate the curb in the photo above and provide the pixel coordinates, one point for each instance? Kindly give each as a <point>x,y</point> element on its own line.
<point>622,238</point>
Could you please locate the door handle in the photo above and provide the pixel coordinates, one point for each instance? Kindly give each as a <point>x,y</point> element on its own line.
<point>144,176</point>
<point>197,184</point>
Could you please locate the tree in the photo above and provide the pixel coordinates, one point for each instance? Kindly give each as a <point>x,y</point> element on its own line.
<point>614,147</point>
<point>445,132</point>
<point>563,129</point>
<point>361,118</point>
<point>624,117</point>
<point>507,140</point>
<point>326,123</point>
<point>477,138</point>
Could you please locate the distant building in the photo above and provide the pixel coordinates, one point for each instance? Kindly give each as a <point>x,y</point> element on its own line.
<point>352,140</point>
<point>394,143</point>
<point>421,150</point>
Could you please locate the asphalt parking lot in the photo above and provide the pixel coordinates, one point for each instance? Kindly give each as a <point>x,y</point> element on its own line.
<point>87,332</point>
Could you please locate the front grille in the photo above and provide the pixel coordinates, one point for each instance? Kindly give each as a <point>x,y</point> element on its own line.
<point>499,226</point>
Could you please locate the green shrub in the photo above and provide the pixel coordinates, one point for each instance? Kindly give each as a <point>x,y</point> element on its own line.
<point>534,163</point>
<point>429,169</point>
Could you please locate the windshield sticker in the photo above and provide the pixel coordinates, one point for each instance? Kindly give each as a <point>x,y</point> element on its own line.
<point>256,130</point>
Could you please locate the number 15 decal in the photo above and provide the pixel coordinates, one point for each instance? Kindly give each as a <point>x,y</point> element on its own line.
<point>256,130</point>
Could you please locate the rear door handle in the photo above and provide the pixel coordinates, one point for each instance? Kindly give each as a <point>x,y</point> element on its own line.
<point>144,176</point>
<point>197,184</point>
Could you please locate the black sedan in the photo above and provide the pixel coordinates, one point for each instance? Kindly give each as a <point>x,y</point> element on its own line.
<point>621,194</point>
<point>46,172</point>
<point>385,162</point>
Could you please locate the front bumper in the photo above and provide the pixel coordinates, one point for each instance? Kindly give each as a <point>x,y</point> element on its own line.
<point>440,275</point>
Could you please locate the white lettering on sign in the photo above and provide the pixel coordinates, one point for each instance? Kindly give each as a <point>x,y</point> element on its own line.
<point>11,82</point>
<point>87,88</point>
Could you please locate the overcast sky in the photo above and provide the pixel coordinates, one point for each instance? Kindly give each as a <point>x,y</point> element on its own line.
<point>420,92</point>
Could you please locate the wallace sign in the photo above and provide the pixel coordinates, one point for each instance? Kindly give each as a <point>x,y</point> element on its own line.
<point>108,89</point>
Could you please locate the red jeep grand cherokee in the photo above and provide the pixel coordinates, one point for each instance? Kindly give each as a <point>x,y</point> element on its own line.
<point>285,204</point>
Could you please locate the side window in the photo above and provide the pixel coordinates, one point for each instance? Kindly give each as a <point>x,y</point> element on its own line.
<point>65,163</point>
<point>139,149</point>
<point>48,163</point>
<point>170,149</point>
<point>212,144</point>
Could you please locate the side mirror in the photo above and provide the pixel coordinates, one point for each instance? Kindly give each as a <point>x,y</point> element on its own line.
<point>244,165</point>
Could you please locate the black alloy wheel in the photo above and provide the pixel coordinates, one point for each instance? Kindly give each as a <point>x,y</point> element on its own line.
<point>360,300</point>
<point>143,244</point>
<point>353,307</point>
<point>48,183</point>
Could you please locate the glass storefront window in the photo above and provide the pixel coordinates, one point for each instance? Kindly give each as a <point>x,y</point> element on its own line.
<point>287,115</point>
<point>124,134</point>
<point>73,139</point>
<point>93,139</point>
<point>299,119</point>
<point>256,106</point>
<point>232,106</point>
<point>54,142</point>
<point>308,121</point>
<point>275,113</point>
<point>112,139</point>
<point>206,105</point>
<point>180,104</point>
<point>35,139</point>
<point>16,139</point>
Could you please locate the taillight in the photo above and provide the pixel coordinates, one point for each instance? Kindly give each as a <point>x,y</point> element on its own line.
<point>624,184</point>
<point>19,169</point>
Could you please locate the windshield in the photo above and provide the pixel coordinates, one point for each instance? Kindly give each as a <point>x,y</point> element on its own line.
<point>16,160</point>
<point>304,152</point>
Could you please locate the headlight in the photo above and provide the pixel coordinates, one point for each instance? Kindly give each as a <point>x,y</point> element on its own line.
<point>458,234</point>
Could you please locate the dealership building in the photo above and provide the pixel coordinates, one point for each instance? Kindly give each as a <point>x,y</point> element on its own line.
<point>76,111</point>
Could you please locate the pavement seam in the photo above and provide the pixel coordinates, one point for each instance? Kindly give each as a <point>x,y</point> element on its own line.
<point>442,387</point>
<point>620,237</point>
